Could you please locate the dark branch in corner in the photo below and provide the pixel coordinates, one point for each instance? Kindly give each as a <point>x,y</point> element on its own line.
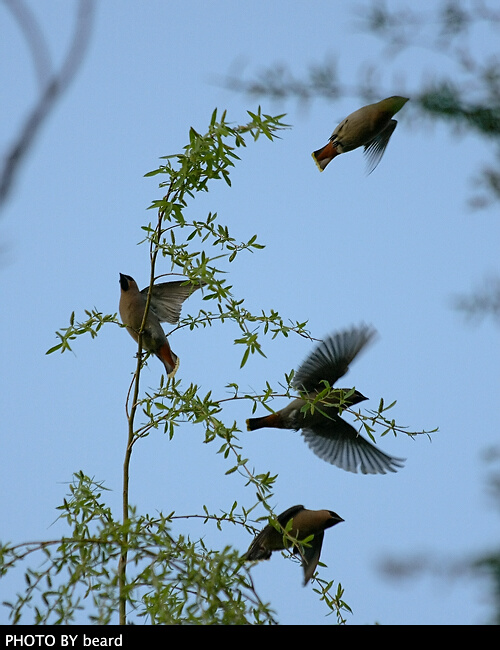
<point>53,84</point>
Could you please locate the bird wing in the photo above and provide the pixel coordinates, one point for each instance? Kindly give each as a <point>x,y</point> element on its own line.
<point>269,539</point>
<point>331,358</point>
<point>257,549</point>
<point>167,299</point>
<point>288,514</point>
<point>310,555</point>
<point>374,150</point>
<point>338,442</point>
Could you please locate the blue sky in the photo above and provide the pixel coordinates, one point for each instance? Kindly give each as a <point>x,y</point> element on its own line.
<point>390,249</point>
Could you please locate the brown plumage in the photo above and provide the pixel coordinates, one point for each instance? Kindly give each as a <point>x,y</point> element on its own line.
<point>304,524</point>
<point>370,127</point>
<point>327,434</point>
<point>165,307</point>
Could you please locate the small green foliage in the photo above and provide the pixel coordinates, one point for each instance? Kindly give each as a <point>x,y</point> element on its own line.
<point>90,326</point>
<point>80,572</point>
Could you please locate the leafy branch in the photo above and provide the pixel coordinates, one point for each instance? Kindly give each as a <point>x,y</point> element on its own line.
<point>160,586</point>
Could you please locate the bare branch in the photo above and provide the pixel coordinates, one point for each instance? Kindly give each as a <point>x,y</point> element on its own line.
<point>53,84</point>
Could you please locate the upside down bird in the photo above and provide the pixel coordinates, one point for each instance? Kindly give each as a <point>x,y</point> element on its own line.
<point>370,127</point>
<point>165,307</point>
<point>304,524</point>
<point>328,435</point>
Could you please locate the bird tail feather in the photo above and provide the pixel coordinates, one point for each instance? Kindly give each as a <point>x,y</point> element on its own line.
<point>169,359</point>
<point>324,155</point>
<point>271,420</point>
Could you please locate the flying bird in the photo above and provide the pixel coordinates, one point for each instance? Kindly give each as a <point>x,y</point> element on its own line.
<point>165,307</point>
<point>328,435</point>
<point>370,127</point>
<point>304,524</point>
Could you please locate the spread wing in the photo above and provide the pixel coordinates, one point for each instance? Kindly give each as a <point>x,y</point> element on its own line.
<point>338,443</point>
<point>167,299</point>
<point>331,358</point>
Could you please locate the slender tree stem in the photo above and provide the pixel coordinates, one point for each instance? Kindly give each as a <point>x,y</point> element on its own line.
<point>122,565</point>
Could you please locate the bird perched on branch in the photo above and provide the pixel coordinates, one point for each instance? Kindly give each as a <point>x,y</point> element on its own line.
<point>304,524</point>
<point>165,307</point>
<point>370,127</point>
<point>327,434</point>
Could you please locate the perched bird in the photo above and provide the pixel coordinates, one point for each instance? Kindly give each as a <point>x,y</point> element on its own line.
<point>304,524</point>
<point>165,307</point>
<point>329,436</point>
<point>370,127</point>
